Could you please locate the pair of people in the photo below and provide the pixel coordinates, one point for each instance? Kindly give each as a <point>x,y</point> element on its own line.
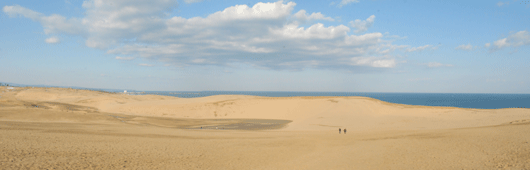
<point>344,130</point>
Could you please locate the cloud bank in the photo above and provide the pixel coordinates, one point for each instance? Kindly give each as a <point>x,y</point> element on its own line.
<point>266,35</point>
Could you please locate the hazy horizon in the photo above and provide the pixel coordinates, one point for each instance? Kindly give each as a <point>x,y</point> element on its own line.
<point>153,91</point>
<point>295,46</point>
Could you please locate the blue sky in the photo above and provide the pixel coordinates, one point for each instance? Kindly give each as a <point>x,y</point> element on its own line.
<point>341,45</point>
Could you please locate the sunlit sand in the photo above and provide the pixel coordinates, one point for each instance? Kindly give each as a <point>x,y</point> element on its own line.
<point>46,128</point>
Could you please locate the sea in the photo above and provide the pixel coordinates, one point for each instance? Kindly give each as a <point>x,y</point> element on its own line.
<point>462,100</point>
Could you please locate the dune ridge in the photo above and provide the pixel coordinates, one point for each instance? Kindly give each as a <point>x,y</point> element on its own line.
<point>307,113</point>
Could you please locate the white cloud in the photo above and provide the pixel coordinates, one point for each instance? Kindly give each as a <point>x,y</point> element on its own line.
<point>53,24</point>
<point>266,35</point>
<point>192,1</point>
<point>436,64</point>
<point>303,17</point>
<point>124,58</point>
<point>147,65</point>
<point>387,48</point>
<point>373,62</point>
<point>467,47</point>
<point>346,2</point>
<point>520,38</point>
<point>420,48</point>
<point>52,40</point>
<point>317,31</point>
<point>14,11</point>
<point>501,43</point>
<point>487,45</point>
<point>362,26</point>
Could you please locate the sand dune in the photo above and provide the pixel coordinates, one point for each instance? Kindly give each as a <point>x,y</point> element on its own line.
<point>69,128</point>
<point>307,113</point>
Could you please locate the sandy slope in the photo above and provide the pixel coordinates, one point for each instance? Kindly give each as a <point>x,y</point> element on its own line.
<point>72,129</point>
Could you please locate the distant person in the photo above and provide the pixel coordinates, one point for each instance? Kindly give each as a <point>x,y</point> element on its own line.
<point>344,130</point>
<point>339,130</point>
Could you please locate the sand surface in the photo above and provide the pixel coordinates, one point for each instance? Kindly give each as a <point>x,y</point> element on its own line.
<point>47,128</point>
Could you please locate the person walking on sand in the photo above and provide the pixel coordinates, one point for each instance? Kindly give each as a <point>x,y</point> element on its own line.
<point>344,130</point>
<point>339,130</point>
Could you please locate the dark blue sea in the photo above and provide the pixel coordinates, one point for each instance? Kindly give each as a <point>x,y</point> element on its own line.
<point>462,100</point>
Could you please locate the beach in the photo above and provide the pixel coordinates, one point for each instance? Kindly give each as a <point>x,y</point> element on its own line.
<point>62,128</point>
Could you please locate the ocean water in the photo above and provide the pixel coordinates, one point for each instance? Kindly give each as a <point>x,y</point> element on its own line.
<point>462,100</point>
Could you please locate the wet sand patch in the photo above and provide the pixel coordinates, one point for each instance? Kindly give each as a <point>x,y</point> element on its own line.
<point>244,124</point>
<point>198,124</point>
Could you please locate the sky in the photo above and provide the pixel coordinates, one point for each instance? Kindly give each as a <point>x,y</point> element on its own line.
<point>218,45</point>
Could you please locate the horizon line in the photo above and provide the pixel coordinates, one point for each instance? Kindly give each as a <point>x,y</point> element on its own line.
<point>132,90</point>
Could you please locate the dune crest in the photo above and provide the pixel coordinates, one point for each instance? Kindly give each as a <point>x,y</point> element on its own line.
<point>306,113</point>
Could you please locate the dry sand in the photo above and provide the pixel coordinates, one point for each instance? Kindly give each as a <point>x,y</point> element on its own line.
<point>47,128</point>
